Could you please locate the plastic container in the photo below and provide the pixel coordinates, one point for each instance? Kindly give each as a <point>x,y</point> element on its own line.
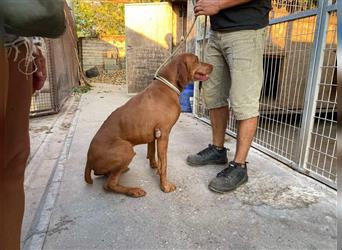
<point>184,98</point>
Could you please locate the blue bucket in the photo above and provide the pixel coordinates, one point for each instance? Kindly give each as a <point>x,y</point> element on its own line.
<point>184,98</point>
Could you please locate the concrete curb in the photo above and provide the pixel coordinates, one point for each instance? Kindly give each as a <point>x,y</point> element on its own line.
<point>37,155</point>
<point>43,214</point>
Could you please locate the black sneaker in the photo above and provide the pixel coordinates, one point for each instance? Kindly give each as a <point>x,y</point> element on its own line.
<point>209,155</point>
<point>229,178</point>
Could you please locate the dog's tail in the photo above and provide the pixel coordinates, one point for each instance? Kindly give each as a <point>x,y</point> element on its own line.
<point>87,174</point>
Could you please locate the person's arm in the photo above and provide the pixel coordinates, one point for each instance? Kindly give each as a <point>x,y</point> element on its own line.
<point>212,7</point>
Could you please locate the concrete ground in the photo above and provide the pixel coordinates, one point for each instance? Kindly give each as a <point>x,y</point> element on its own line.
<point>277,209</point>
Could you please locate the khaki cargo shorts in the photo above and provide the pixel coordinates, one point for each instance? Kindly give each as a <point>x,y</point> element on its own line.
<point>237,77</point>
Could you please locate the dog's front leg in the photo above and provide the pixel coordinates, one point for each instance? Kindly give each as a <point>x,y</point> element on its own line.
<point>162,144</point>
<point>151,155</point>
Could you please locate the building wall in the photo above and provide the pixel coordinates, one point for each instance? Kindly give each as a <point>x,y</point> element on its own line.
<point>191,41</point>
<point>148,41</point>
<point>97,52</point>
<point>153,31</point>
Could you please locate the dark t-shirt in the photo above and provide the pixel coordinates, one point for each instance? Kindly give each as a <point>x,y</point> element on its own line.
<point>251,15</point>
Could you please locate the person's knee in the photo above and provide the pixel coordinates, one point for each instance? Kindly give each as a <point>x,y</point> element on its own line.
<point>245,112</point>
<point>213,101</point>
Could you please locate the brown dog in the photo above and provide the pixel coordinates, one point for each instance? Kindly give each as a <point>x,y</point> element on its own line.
<point>146,118</point>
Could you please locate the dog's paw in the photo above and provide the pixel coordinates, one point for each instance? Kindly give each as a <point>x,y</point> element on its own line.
<point>136,192</point>
<point>153,164</point>
<point>168,187</point>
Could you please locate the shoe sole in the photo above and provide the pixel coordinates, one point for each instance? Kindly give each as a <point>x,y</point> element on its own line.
<point>206,163</point>
<point>244,180</point>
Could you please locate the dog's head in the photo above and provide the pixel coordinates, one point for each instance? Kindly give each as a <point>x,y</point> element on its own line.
<point>190,69</point>
<point>186,68</point>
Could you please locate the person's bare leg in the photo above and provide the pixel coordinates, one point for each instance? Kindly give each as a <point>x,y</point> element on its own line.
<point>3,104</point>
<point>245,135</point>
<point>16,151</point>
<point>3,100</point>
<point>215,153</point>
<point>236,173</point>
<point>219,120</point>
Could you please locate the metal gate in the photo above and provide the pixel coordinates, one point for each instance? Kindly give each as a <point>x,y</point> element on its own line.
<point>43,101</point>
<point>298,113</point>
<point>62,71</point>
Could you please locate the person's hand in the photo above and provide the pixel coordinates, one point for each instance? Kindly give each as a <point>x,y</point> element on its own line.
<point>39,77</point>
<point>207,7</point>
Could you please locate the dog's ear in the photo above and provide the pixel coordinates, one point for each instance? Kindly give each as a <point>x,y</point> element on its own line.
<point>183,73</point>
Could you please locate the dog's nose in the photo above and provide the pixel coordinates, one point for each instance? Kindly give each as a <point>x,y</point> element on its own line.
<point>210,67</point>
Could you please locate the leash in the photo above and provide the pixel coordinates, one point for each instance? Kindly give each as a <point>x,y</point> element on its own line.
<point>204,46</point>
<point>176,50</point>
<point>183,40</point>
<point>162,79</point>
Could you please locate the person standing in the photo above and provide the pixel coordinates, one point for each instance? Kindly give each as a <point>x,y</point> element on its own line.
<point>235,49</point>
<point>23,71</point>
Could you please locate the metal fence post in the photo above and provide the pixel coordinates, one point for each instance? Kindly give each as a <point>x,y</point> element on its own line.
<point>312,90</point>
<point>339,129</point>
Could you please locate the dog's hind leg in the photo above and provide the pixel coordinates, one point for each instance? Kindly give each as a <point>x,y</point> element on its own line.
<point>113,185</point>
<point>124,152</point>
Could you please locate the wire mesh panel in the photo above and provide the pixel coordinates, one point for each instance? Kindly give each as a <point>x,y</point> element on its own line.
<point>321,155</point>
<point>290,69</point>
<point>42,100</point>
<point>286,7</point>
<point>62,71</point>
<point>286,66</point>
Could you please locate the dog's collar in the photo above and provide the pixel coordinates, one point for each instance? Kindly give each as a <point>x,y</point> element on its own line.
<point>169,84</point>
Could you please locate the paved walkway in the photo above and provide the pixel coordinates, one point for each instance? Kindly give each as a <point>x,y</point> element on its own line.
<point>277,209</point>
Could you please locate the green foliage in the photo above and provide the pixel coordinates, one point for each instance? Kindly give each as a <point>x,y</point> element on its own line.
<point>82,89</point>
<point>95,18</point>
